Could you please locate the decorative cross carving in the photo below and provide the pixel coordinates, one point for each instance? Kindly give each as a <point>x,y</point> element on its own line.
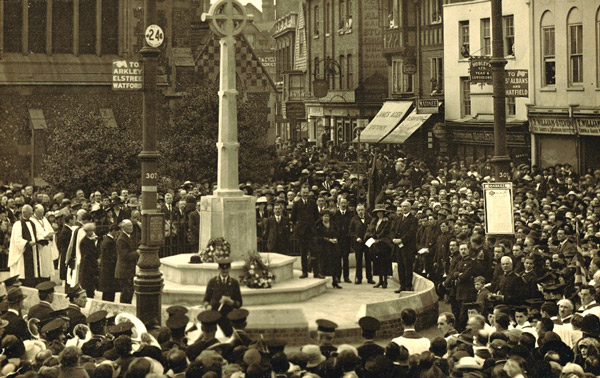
<point>227,18</point>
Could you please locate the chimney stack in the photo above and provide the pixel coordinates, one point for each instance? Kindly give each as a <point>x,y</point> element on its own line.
<point>268,10</point>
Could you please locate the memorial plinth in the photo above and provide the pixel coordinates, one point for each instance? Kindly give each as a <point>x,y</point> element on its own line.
<point>233,218</point>
<point>185,283</point>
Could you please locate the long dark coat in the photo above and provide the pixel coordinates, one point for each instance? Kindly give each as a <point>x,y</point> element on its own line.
<point>127,257</point>
<point>329,252</point>
<point>88,267</point>
<point>108,262</point>
<point>381,251</point>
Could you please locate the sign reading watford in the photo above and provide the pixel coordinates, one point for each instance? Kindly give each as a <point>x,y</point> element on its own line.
<point>127,75</point>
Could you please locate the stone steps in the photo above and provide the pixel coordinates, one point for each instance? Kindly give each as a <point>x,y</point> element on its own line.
<point>292,290</point>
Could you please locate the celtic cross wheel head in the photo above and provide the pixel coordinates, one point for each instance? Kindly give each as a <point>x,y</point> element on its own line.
<point>227,18</point>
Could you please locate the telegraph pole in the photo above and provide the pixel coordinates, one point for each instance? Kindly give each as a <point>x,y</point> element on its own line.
<point>501,160</point>
<point>148,281</point>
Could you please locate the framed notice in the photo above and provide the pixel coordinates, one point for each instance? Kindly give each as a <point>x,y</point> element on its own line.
<point>498,208</point>
<point>154,226</point>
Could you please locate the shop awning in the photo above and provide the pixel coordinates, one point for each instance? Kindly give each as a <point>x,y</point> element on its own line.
<point>404,130</point>
<point>391,113</point>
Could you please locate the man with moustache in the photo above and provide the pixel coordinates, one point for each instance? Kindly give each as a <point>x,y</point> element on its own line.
<point>403,235</point>
<point>358,227</point>
<point>277,231</point>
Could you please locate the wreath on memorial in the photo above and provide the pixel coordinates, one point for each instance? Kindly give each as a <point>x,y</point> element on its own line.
<point>257,275</point>
<point>216,249</point>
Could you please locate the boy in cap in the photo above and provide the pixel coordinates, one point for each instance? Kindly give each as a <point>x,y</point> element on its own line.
<point>77,300</point>
<point>238,318</point>
<point>325,334</point>
<point>99,343</point>
<point>43,309</point>
<point>208,320</point>
<point>223,295</point>
<point>369,326</point>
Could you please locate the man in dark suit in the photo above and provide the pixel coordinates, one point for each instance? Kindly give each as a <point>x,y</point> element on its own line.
<point>403,235</point>
<point>43,309</point>
<point>119,211</point>
<point>170,211</point>
<point>16,325</point>
<point>342,218</point>
<point>127,258</point>
<point>358,227</point>
<point>304,217</point>
<point>466,270</point>
<point>194,227</point>
<point>107,283</point>
<point>277,231</point>
<point>62,242</point>
<point>223,295</point>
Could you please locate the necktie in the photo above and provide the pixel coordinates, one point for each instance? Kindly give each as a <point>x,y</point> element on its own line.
<point>362,220</point>
<point>278,219</point>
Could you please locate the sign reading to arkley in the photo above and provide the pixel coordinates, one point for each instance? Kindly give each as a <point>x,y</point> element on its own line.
<point>127,75</point>
<point>498,208</point>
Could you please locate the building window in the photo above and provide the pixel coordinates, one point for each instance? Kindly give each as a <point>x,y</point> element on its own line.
<point>508,23</point>
<point>37,26</point>
<point>110,27</point>
<point>486,37</point>
<point>62,32</point>
<point>575,47</point>
<point>393,14</point>
<point>463,30</point>
<point>350,71</point>
<point>437,75</point>
<point>465,96</point>
<point>301,43</point>
<point>342,63</point>
<point>327,19</point>
<point>401,82</point>
<point>349,16</point>
<point>316,24</point>
<point>87,26</point>
<point>511,106</point>
<point>316,66</point>
<point>548,49</point>
<point>342,15</point>
<point>13,25</point>
<point>433,11</point>
<point>598,47</point>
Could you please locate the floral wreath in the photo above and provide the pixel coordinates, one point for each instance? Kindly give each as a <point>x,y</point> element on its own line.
<point>216,249</point>
<point>257,275</point>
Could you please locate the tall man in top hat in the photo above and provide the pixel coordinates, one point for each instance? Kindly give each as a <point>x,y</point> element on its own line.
<point>223,295</point>
<point>23,254</point>
<point>304,216</point>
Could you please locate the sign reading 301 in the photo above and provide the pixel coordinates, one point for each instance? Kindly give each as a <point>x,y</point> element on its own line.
<point>154,36</point>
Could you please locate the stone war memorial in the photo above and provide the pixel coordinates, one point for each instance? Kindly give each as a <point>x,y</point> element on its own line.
<point>228,213</point>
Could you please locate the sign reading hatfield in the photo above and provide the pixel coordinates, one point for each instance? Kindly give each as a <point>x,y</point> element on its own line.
<point>127,75</point>
<point>517,83</point>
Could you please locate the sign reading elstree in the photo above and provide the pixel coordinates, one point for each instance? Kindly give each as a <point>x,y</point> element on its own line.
<point>127,75</point>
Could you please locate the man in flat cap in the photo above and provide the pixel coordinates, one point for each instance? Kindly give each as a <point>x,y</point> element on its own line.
<point>325,335</point>
<point>369,349</point>
<point>223,295</point>
<point>238,319</point>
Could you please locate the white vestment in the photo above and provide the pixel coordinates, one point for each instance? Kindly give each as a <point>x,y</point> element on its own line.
<point>48,253</point>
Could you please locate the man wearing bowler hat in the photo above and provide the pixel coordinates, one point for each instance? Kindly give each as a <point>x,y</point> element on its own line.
<point>16,325</point>
<point>223,295</point>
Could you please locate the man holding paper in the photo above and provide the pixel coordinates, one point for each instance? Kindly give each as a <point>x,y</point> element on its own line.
<point>404,237</point>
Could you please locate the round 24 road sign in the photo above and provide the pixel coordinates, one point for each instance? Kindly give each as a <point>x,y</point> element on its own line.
<point>154,36</point>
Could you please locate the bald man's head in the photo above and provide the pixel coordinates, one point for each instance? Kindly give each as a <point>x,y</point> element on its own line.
<point>127,226</point>
<point>39,210</point>
<point>26,211</point>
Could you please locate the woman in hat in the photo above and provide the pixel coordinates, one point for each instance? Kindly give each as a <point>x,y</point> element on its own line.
<point>381,249</point>
<point>329,250</point>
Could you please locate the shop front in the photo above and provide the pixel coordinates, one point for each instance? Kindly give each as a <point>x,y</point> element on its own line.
<point>472,141</point>
<point>560,138</point>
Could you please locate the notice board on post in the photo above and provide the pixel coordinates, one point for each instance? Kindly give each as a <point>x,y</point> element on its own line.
<point>498,208</point>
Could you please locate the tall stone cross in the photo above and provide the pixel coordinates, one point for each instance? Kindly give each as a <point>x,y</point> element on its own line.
<point>228,213</point>
<point>227,18</point>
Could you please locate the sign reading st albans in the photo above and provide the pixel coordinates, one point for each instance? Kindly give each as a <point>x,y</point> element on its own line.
<point>127,75</point>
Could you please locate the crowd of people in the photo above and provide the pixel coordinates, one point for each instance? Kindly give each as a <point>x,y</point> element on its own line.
<point>521,305</point>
